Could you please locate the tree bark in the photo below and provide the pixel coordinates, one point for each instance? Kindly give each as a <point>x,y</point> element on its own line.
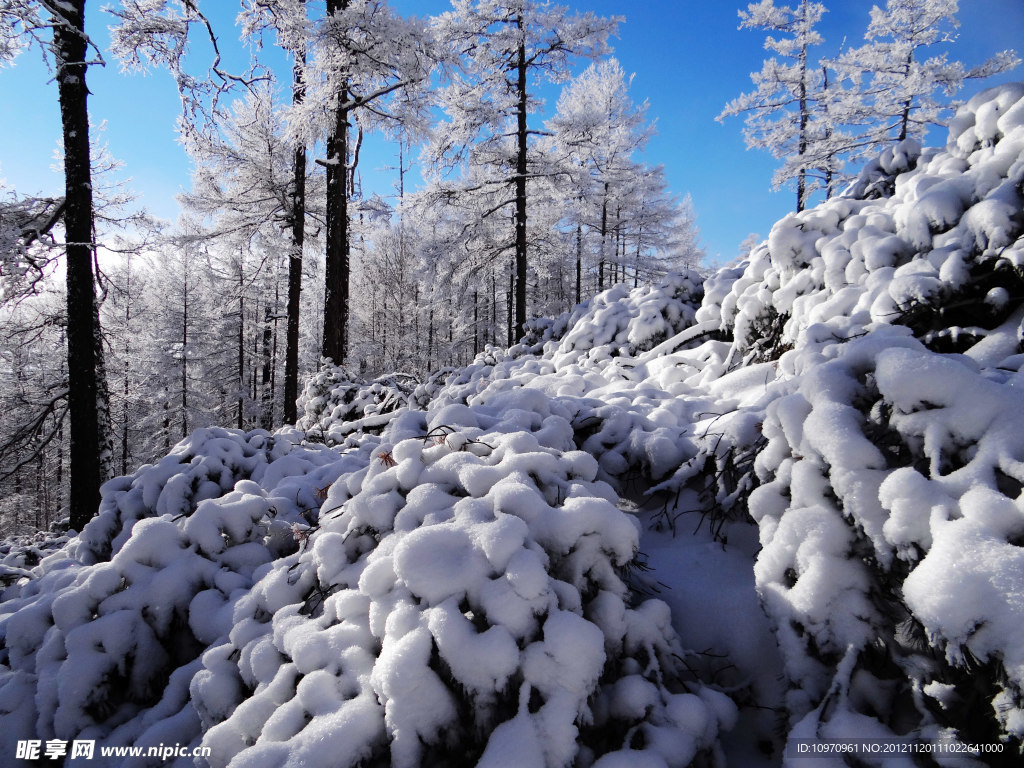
<point>70,48</point>
<point>579,262</point>
<point>298,222</point>
<point>604,238</point>
<point>801,183</point>
<point>336,268</point>
<point>266,394</point>
<point>521,169</point>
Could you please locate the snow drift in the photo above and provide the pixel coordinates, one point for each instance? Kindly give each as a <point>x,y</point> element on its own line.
<point>452,573</point>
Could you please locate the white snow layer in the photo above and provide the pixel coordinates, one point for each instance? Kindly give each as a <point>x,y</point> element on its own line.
<point>448,573</point>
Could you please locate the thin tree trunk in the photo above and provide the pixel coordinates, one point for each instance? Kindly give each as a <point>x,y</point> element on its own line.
<point>266,396</point>
<point>510,302</point>
<point>476,323</point>
<point>604,238</point>
<point>801,183</point>
<point>521,169</point>
<point>126,388</point>
<point>905,114</point>
<point>184,358</point>
<point>241,350</point>
<point>579,263</point>
<point>298,222</point>
<point>70,48</point>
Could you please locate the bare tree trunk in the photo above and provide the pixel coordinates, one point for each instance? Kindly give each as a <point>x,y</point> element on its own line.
<point>184,359</point>
<point>336,269</point>
<point>70,48</point>
<point>801,183</point>
<point>510,302</point>
<point>298,222</point>
<point>266,395</point>
<point>241,349</point>
<point>604,238</point>
<point>521,169</point>
<point>476,323</point>
<point>905,113</point>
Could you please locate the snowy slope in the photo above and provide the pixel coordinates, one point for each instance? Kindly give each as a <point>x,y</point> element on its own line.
<point>681,525</point>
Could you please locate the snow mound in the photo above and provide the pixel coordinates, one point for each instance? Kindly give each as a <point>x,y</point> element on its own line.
<point>464,593</point>
<point>335,404</point>
<point>889,460</point>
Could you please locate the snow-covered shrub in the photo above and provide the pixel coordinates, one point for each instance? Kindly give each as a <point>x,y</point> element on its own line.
<point>930,239</point>
<point>205,465</point>
<point>464,605</point>
<point>18,554</point>
<point>107,631</point>
<point>891,555</point>
<point>593,362</point>
<point>889,498</point>
<point>333,400</point>
<point>463,587</point>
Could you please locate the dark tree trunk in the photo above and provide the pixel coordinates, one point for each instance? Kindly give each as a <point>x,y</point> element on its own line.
<point>604,238</point>
<point>70,48</point>
<point>298,221</point>
<point>126,388</point>
<point>336,269</point>
<point>801,182</point>
<point>908,103</point>
<point>579,262</point>
<point>510,302</point>
<point>476,323</point>
<point>184,359</point>
<point>266,394</point>
<point>241,350</point>
<point>521,168</point>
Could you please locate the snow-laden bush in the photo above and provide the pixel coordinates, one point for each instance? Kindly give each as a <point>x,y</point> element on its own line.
<point>101,639</point>
<point>891,523</point>
<point>335,403</point>
<point>940,251</point>
<point>595,363</point>
<point>889,483</point>
<point>463,604</point>
<point>620,320</point>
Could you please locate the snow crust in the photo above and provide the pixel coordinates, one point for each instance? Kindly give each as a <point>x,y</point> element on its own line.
<point>820,450</point>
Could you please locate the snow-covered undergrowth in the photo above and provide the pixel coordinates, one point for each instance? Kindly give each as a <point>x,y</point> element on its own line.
<point>451,573</point>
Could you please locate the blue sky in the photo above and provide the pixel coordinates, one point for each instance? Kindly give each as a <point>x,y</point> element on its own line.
<point>688,56</point>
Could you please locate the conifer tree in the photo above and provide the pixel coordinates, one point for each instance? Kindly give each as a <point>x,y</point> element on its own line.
<point>780,112</point>
<point>503,49</point>
<point>892,88</point>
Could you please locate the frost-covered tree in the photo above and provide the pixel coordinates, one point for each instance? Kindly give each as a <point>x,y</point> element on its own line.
<point>28,246</point>
<point>365,64</point>
<point>780,112</point>
<point>596,134</point>
<point>596,130</point>
<point>503,49</point>
<point>243,189</point>
<point>60,28</point>
<point>33,403</point>
<point>894,90</point>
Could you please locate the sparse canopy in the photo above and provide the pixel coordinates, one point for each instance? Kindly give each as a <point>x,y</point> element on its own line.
<point>892,90</point>
<point>501,50</point>
<point>780,113</point>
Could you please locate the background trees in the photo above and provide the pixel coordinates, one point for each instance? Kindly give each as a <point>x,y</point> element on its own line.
<point>781,111</point>
<point>821,114</point>
<point>891,87</point>
<point>205,320</point>
<point>503,48</point>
